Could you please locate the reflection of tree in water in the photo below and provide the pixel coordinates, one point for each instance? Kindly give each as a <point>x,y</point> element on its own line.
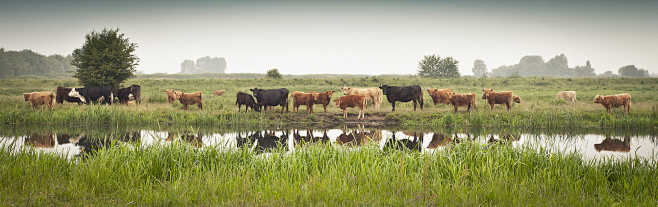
<point>614,145</point>
<point>265,140</point>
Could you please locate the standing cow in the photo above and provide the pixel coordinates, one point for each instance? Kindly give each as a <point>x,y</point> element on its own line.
<point>301,98</point>
<point>271,97</point>
<point>569,96</point>
<point>403,94</point>
<point>246,99</point>
<point>93,94</point>
<point>614,101</point>
<point>323,98</point>
<point>124,94</point>
<point>467,99</point>
<point>63,95</point>
<point>372,94</point>
<point>440,96</point>
<point>40,98</point>
<point>190,99</point>
<point>504,98</point>
<point>351,101</point>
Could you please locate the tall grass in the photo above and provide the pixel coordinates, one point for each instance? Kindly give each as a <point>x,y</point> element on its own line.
<point>463,174</point>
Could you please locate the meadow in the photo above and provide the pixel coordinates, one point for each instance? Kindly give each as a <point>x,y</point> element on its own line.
<point>538,109</point>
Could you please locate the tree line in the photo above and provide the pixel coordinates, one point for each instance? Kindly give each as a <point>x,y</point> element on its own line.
<point>27,62</point>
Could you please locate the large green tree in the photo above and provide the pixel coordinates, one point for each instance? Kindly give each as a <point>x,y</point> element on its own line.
<point>479,68</point>
<point>436,67</point>
<point>632,71</point>
<point>106,58</point>
<point>274,73</point>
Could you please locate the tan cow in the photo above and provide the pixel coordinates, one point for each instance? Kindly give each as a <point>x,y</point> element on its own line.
<point>190,99</point>
<point>614,101</point>
<point>440,96</point>
<point>466,99</point>
<point>569,96</point>
<point>40,98</point>
<point>372,94</point>
<point>348,101</point>
<point>172,95</point>
<point>218,92</point>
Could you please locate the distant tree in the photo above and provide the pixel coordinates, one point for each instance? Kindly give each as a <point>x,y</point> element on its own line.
<point>608,74</point>
<point>437,67</point>
<point>584,71</point>
<point>106,58</point>
<point>479,68</point>
<point>27,62</point>
<point>632,71</point>
<point>274,73</point>
<point>188,66</point>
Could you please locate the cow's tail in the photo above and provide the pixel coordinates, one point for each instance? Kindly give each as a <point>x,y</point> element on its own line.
<point>52,99</point>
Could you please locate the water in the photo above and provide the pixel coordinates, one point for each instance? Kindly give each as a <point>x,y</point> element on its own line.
<point>590,145</point>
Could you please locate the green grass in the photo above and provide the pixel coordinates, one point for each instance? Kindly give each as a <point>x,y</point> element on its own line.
<point>464,174</point>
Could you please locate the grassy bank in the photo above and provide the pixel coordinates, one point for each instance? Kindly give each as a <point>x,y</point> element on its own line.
<point>538,109</point>
<point>463,174</point>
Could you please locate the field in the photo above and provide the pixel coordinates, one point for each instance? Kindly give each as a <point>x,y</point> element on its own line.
<point>461,174</point>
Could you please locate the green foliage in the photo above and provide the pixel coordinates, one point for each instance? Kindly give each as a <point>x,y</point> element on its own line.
<point>274,73</point>
<point>479,68</point>
<point>436,67</point>
<point>26,62</point>
<point>632,71</point>
<point>106,58</point>
<point>535,66</point>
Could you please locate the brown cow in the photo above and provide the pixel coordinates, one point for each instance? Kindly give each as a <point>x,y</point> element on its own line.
<point>516,99</point>
<point>503,98</point>
<point>372,94</point>
<point>190,99</point>
<point>466,99</point>
<point>172,95</point>
<point>614,145</point>
<point>301,98</point>
<point>218,92</point>
<point>40,98</point>
<point>348,101</point>
<point>440,96</point>
<point>323,98</point>
<point>614,101</point>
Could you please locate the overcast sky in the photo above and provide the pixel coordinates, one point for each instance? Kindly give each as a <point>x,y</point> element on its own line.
<point>352,37</point>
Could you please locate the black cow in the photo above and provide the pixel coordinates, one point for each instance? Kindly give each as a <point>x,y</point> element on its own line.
<point>403,94</point>
<point>63,95</point>
<point>124,94</point>
<point>271,97</point>
<point>93,94</point>
<point>247,100</point>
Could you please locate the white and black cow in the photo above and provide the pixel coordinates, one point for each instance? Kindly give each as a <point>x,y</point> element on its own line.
<point>93,94</point>
<point>403,94</point>
<point>63,95</point>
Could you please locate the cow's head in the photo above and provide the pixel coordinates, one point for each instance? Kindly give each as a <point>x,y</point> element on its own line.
<point>598,99</point>
<point>516,99</point>
<point>258,93</point>
<point>27,96</point>
<point>76,94</point>
<point>330,92</point>
<point>178,94</point>
<point>431,91</point>
<point>485,92</point>
<point>386,89</point>
<point>346,90</point>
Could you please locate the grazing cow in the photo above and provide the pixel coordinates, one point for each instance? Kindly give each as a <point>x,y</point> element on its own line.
<point>218,92</point>
<point>93,94</point>
<point>348,101</point>
<point>301,98</point>
<point>466,99</point>
<point>372,94</point>
<point>190,99</point>
<point>516,99</point>
<point>503,98</point>
<point>440,96</point>
<point>246,99</point>
<point>614,145</point>
<point>323,98</point>
<point>569,96</point>
<point>63,95</point>
<point>124,94</point>
<point>271,97</point>
<point>403,94</point>
<point>40,98</point>
<point>614,101</point>
<point>172,95</point>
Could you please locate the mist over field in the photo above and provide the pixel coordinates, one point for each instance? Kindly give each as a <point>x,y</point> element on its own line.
<point>345,37</point>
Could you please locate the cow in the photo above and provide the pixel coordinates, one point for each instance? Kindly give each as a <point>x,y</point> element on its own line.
<point>440,96</point>
<point>271,97</point>
<point>246,99</point>
<point>516,99</point>
<point>466,99</point>
<point>124,94</point>
<point>372,94</point>
<point>348,101</point>
<point>218,92</point>
<point>93,94</point>
<point>323,98</point>
<point>172,95</point>
<point>569,96</point>
<point>63,95</point>
<point>614,145</point>
<point>301,98</point>
<point>190,99</point>
<point>614,101</point>
<point>503,98</point>
<point>403,94</point>
<point>40,98</point>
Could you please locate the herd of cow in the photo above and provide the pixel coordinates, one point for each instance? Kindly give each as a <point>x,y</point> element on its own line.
<point>262,99</point>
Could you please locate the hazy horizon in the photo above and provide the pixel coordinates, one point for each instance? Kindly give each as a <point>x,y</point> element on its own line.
<point>365,37</point>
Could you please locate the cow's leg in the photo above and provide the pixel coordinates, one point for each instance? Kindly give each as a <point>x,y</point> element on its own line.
<point>184,106</point>
<point>325,107</point>
<point>239,107</point>
<point>492,106</point>
<point>469,108</point>
<point>200,105</point>
<point>393,105</point>
<point>414,104</point>
<point>455,105</point>
<point>361,114</point>
<point>345,113</point>
<point>507,104</point>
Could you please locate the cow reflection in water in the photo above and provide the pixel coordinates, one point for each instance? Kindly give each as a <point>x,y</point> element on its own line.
<point>195,140</point>
<point>359,137</point>
<point>504,138</point>
<point>309,138</point>
<point>614,145</point>
<point>41,140</point>
<point>441,140</point>
<point>413,142</point>
<point>263,141</point>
